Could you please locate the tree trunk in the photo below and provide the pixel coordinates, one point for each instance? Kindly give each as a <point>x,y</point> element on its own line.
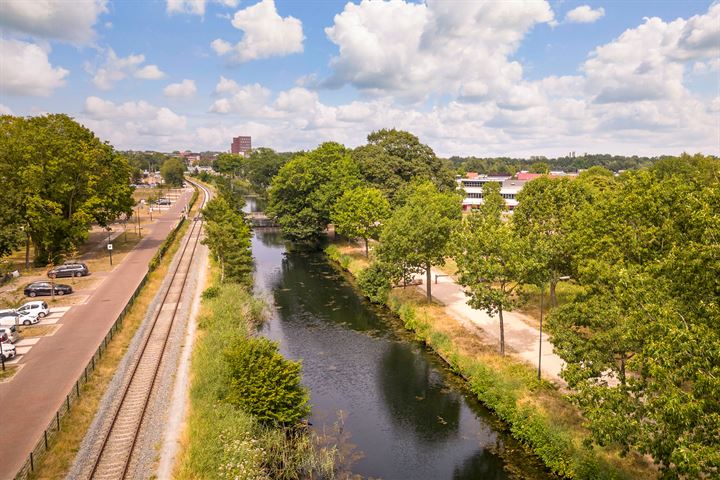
<point>428,275</point>
<point>502,332</point>
<point>622,369</point>
<point>27,249</point>
<point>222,271</point>
<point>553,297</point>
<point>367,250</point>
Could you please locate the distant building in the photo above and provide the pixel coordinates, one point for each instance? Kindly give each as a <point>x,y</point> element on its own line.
<point>473,183</point>
<point>241,145</point>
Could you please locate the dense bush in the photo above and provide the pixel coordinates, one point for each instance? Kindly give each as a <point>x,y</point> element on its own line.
<point>262,382</point>
<point>374,283</point>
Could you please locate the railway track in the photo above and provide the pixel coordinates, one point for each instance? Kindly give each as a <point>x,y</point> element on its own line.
<point>114,457</point>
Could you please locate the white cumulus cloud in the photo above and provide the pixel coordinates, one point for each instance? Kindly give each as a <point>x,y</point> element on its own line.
<point>26,70</point>
<point>149,72</point>
<point>411,50</point>
<point>70,21</point>
<point>265,34</point>
<point>584,14</point>
<point>186,88</point>
<point>248,100</point>
<point>121,121</point>
<point>115,68</point>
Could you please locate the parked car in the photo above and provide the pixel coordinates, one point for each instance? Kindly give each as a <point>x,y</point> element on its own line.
<point>13,317</point>
<point>75,269</point>
<point>44,288</point>
<point>7,350</point>
<point>163,201</point>
<point>8,334</point>
<point>37,308</point>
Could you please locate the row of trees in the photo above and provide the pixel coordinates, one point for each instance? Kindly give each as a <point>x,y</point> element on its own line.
<point>227,234</point>
<point>538,164</point>
<point>57,178</point>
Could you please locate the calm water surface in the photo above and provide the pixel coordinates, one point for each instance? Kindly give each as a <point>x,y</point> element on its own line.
<point>403,415</point>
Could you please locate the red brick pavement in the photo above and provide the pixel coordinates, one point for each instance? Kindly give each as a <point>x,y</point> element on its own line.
<point>29,401</point>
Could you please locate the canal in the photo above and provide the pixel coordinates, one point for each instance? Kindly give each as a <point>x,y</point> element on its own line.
<point>395,408</point>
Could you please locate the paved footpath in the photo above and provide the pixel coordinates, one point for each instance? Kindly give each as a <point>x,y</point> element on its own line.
<point>30,399</point>
<point>520,338</point>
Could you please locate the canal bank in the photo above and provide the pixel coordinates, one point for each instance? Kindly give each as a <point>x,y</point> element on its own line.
<point>534,412</point>
<point>394,409</point>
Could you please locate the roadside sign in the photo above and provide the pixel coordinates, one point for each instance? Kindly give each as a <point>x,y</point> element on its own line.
<point>109,246</point>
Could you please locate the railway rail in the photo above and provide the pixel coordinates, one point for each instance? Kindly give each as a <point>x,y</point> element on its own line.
<point>114,457</point>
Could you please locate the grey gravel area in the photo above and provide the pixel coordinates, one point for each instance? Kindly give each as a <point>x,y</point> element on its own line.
<point>142,465</point>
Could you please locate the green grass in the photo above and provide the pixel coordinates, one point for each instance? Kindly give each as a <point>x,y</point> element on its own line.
<point>223,441</point>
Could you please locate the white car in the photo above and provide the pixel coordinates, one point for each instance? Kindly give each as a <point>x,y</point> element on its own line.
<point>37,308</point>
<point>13,317</point>
<point>7,350</point>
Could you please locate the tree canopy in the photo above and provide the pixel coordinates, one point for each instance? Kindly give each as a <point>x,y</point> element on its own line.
<point>58,178</point>
<point>172,171</point>
<point>306,188</point>
<point>360,213</point>
<point>641,339</point>
<point>416,236</point>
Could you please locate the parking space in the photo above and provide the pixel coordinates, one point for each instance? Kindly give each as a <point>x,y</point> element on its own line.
<point>24,345</point>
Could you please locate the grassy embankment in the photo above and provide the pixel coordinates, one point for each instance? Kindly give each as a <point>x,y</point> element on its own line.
<point>222,440</point>
<point>57,462</point>
<point>535,413</point>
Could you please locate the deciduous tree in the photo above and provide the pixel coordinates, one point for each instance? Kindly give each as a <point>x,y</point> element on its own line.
<point>360,213</point>
<point>417,234</point>
<point>306,188</point>
<point>492,259</point>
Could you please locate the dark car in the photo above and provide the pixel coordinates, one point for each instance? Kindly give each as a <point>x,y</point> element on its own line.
<point>43,288</point>
<point>69,270</point>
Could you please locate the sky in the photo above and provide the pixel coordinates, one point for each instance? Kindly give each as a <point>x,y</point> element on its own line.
<point>468,77</point>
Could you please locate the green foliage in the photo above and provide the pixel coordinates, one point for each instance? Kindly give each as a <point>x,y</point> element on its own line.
<point>539,167</point>
<point>228,236</point>
<point>393,158</point>
<point>360,212</point>
<point>227,442</point>
<point>263,383</point>
<point>416,235</point>
<point>304,191</point>
<point>374,283</point>
<point>641,340</point>
<point>544,215</point>
<point>262,165</point>
<point>57,179</point>
<point>172,171</point>
<point>492,260</point>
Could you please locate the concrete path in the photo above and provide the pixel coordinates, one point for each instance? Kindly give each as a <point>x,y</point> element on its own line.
<point>521,339</point>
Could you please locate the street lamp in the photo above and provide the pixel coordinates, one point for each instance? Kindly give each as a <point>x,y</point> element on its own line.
<point>542,297</point>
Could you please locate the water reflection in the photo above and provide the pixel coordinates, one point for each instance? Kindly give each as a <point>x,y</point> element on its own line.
<point>416,396</point>
<point>400,410</point>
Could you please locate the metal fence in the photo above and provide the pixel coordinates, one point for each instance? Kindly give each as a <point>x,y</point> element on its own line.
<point>56,424</point>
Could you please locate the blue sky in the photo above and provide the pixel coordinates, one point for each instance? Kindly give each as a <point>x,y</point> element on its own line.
<point>468,77</point>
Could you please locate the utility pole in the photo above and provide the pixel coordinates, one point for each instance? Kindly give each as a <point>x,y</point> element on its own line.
<point>109,245</point>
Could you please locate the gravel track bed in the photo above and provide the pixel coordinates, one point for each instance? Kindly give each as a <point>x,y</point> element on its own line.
<point>151,431</point>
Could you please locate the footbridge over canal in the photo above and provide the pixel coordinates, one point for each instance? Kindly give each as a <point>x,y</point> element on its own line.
<point>260,220</point>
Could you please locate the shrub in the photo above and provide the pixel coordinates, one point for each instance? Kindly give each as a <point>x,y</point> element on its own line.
<point>263,383</point>
<point>374,283</point>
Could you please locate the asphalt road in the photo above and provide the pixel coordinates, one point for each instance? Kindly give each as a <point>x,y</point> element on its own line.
<point>29,401</point>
